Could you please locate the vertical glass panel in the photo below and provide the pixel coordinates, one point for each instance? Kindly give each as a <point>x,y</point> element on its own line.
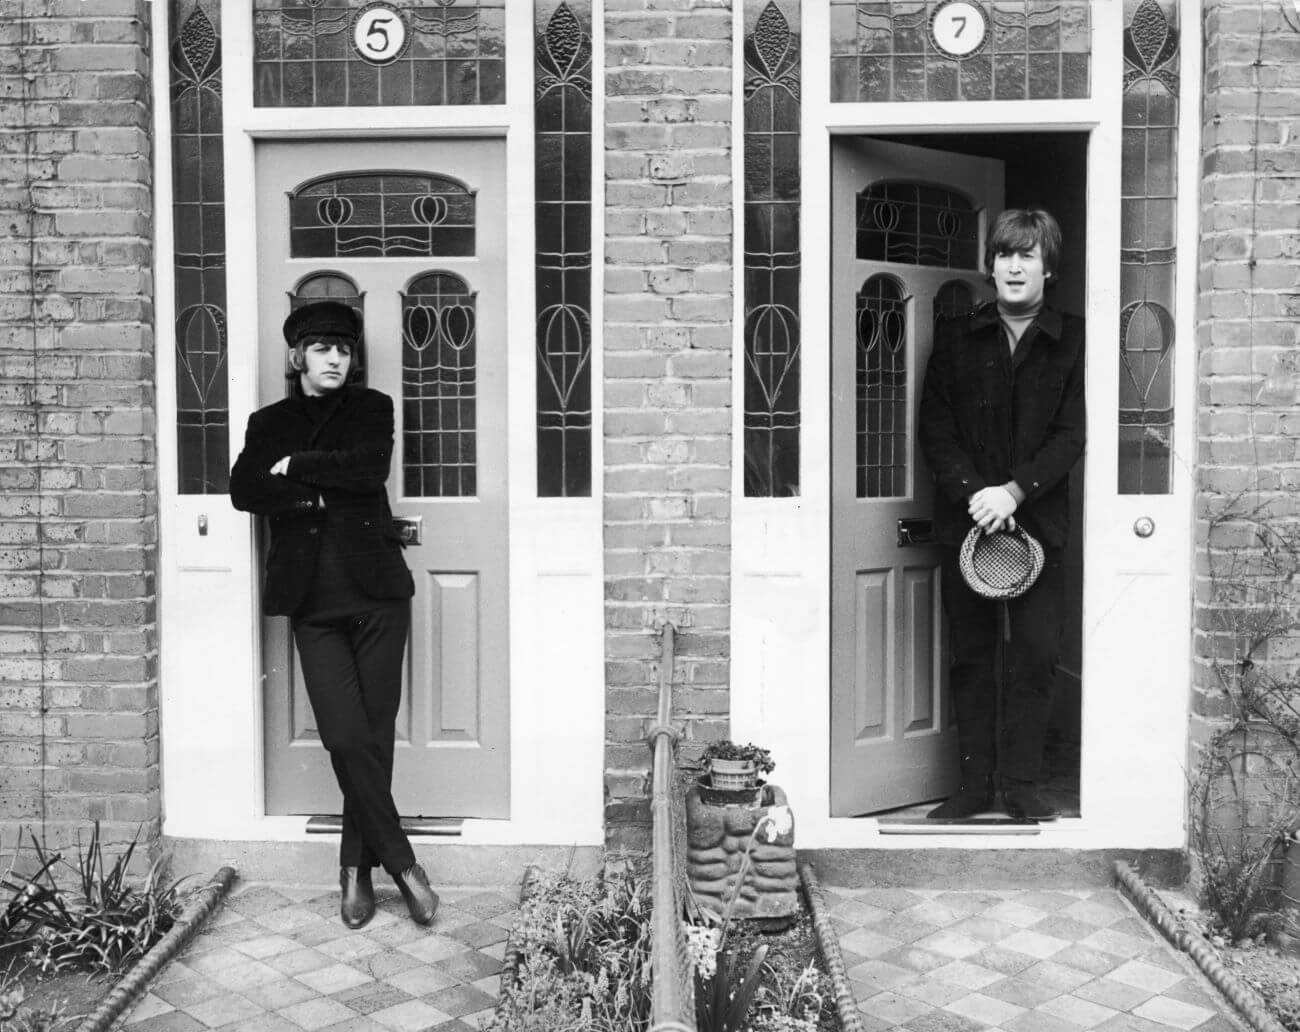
<point>305,53</point>
<point>198,209</point>
<point>954,298</point>
<point>562,131</point>
<point>882,423</point>
<point>439,388</point>
<point>1148,183</point>
<point>883,50</point>
<point>771,241</point>
<point>381,214</point>
<point>917,225</point>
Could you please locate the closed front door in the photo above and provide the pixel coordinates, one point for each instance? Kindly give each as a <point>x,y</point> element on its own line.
<point>412,233</point>
<point>908,227</point>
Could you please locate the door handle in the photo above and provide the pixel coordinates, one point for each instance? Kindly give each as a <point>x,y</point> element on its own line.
<point>409,529</point>
<point>915,531</point>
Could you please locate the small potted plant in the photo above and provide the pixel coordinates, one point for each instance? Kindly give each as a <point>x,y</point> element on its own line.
<point>735,767</point>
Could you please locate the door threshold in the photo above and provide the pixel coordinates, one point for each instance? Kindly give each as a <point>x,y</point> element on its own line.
<point>962,826</point>
<point>332,824</point>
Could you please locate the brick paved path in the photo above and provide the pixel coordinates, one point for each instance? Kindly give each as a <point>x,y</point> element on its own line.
<point>278,959</point>
<point>1016,961</point>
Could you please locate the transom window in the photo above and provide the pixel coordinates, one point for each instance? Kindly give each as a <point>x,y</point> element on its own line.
<point>382,214</point>
<point>917,224</point>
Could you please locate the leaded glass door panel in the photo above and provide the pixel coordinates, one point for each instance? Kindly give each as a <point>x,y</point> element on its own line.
<point>416,229</point>
<point>907,227</point>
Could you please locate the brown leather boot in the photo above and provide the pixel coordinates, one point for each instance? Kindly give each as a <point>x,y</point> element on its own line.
<point>421,900</point>
<point>358,904</point>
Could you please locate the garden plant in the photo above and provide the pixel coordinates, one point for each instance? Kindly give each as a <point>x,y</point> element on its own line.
<point>67,927</point>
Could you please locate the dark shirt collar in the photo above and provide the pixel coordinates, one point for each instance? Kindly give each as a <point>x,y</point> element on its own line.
<point>1048,320</point>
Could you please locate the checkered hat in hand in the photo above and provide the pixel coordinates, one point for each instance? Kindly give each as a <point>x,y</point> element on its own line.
<point>1000,565</point>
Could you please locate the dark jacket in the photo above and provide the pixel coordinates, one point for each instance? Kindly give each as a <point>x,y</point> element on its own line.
<point>341,459</point>
<point>985,419</point>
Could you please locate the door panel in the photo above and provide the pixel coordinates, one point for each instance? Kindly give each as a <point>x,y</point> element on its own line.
<point>418,228</point>
<point>891,738</point>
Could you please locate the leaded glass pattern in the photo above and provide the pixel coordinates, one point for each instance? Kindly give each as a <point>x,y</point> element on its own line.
<point>304,55</point>
<point>771,241</point>
<point>882,423</point>
<point>952,299</point>
<point>882,50</point>
<point>380,215</point>
<point>199,243</point>
<point>915,224</point>
<point>1149,186</point>
<point>562,128</point>
<point>439,388</point>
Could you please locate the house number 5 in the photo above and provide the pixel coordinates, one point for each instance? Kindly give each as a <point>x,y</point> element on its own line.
<point>379,34</point>
<point>959,28</point>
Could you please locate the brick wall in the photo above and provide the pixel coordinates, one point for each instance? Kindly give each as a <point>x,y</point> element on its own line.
<point>1249,309</point>
<point>667,379</point>
<point>78,638</point>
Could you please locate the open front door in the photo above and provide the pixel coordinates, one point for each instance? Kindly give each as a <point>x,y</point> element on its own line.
<point>907,233</point>
<point>412,233</point>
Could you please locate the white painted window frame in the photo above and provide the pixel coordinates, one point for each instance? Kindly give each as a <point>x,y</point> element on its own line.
<point>211,710</point>
<point>1136,685</point>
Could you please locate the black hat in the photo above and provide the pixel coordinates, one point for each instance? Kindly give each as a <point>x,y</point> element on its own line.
<point>322,319</point>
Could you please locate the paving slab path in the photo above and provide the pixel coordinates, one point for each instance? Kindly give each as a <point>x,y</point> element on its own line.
<point>927,960</point>
<point>276,958</point>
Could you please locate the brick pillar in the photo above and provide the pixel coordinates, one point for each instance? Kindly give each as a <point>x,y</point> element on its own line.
<point>78,529</point>
<point>667,379</point>
<point>1248,330</point>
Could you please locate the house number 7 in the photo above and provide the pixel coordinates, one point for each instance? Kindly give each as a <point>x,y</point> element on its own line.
<point>379,34</point>
<point>958,28</point>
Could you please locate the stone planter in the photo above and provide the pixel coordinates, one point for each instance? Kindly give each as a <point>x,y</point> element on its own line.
<point>719,826</point>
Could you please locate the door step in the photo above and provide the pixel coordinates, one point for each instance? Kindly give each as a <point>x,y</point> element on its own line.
<point>962,826</point>
<point>332,824</point>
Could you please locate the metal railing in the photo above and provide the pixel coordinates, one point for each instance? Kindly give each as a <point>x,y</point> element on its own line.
<point>673,992</point>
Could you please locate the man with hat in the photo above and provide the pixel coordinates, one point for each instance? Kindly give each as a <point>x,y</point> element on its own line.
<point>315,464</point>
<point>1001,423</point>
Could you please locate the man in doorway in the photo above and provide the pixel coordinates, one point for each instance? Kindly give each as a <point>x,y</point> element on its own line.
<point>1001,423</point>
<point>315,464</point>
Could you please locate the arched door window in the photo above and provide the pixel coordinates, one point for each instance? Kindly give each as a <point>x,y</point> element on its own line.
<point>882,424</point>
<point>439,388</point>
<point>954,298</point>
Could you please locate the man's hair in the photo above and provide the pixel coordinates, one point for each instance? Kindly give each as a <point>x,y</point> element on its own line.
<point>1018,229</point>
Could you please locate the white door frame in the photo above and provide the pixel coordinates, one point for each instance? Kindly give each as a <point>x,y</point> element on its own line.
<point>1135,711</point>
<point>211,711</point>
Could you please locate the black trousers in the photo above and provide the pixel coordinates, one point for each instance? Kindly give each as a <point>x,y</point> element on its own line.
<point>352,669</point>
<point>1037,619</point>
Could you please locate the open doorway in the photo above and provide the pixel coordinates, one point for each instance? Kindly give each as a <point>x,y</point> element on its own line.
<point>892,746</point>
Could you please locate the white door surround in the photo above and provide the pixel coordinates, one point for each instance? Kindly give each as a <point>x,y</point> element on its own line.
<point>211,720</point>
<point>1137,602</point>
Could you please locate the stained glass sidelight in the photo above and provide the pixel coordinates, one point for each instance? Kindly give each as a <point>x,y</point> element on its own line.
<point>1148,176</point>
<point>381,214</point>
<point>199,241</point>
<point>882,424</point>
<point>917,225</point>
<point>883,50</point>
<point>439,388</point>
<point>771,240</point>
<point>562,127</point>
<point>953,298</point>
<point>304,54</point>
